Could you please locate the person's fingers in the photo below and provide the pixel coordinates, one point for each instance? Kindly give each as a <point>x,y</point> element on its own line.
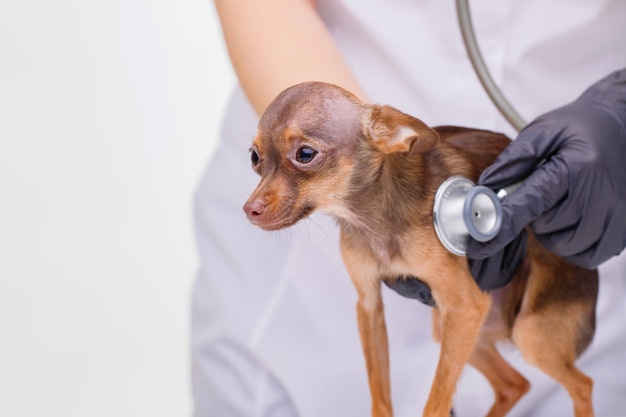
<point>496,271</point>
<point>538,193</point>
<point>521,157</point>
<point>587,231</point>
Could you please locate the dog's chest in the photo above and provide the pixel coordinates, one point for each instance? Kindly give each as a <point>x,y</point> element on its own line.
<point>385,249</point>
<point>394,272</point>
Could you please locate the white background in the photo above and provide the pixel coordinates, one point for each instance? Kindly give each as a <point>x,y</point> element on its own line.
<point>108,113</point>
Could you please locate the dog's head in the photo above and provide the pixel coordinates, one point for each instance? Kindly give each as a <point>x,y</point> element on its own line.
<point>309,140</point>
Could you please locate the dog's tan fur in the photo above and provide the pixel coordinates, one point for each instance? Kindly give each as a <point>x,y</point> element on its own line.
<point>377,170</point>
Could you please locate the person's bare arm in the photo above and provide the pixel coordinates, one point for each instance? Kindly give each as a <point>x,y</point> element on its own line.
<point>274,44</point>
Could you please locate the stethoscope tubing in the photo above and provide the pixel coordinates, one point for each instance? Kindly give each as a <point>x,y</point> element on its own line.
<point>461,208</point>
<point>476,58</point>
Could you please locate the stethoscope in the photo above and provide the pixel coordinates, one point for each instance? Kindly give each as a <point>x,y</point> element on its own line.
<point>463,209</point>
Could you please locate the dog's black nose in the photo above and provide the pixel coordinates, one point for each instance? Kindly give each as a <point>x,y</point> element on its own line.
<point>253,210</point>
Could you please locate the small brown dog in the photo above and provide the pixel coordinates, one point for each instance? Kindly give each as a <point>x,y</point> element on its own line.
<point>377,170</point>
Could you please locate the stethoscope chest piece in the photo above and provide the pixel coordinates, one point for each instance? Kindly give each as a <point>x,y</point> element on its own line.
<point>463,209</point>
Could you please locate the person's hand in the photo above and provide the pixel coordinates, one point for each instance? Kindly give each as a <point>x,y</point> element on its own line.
<point>573,162</point>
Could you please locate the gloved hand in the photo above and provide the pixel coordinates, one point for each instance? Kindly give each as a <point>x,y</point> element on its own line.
<point>575,201</point>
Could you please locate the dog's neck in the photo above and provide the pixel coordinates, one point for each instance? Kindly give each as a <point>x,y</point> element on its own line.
<point>383,198</point>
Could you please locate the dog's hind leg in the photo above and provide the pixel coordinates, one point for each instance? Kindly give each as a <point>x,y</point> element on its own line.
<point>556,323</point>
<point>508,384</point>
<point>553,350</point>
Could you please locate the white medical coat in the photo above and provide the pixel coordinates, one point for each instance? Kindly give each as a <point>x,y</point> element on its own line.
<point>274,324</point>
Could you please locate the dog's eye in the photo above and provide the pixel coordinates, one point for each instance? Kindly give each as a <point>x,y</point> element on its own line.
<point>304,155</point>
<point>254,157</point>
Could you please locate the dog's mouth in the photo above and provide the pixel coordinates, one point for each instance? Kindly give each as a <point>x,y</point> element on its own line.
<point>282,222</point>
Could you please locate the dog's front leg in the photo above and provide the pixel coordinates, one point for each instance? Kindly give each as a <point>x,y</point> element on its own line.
<point>462,310</point>
<point>373,333</point>
<point>372,328</point>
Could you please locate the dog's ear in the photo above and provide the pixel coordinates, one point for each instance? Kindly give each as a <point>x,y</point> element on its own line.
<point>393,131</point>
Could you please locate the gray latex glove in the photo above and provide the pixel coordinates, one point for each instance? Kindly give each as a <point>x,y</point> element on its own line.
<point>575,202</point>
